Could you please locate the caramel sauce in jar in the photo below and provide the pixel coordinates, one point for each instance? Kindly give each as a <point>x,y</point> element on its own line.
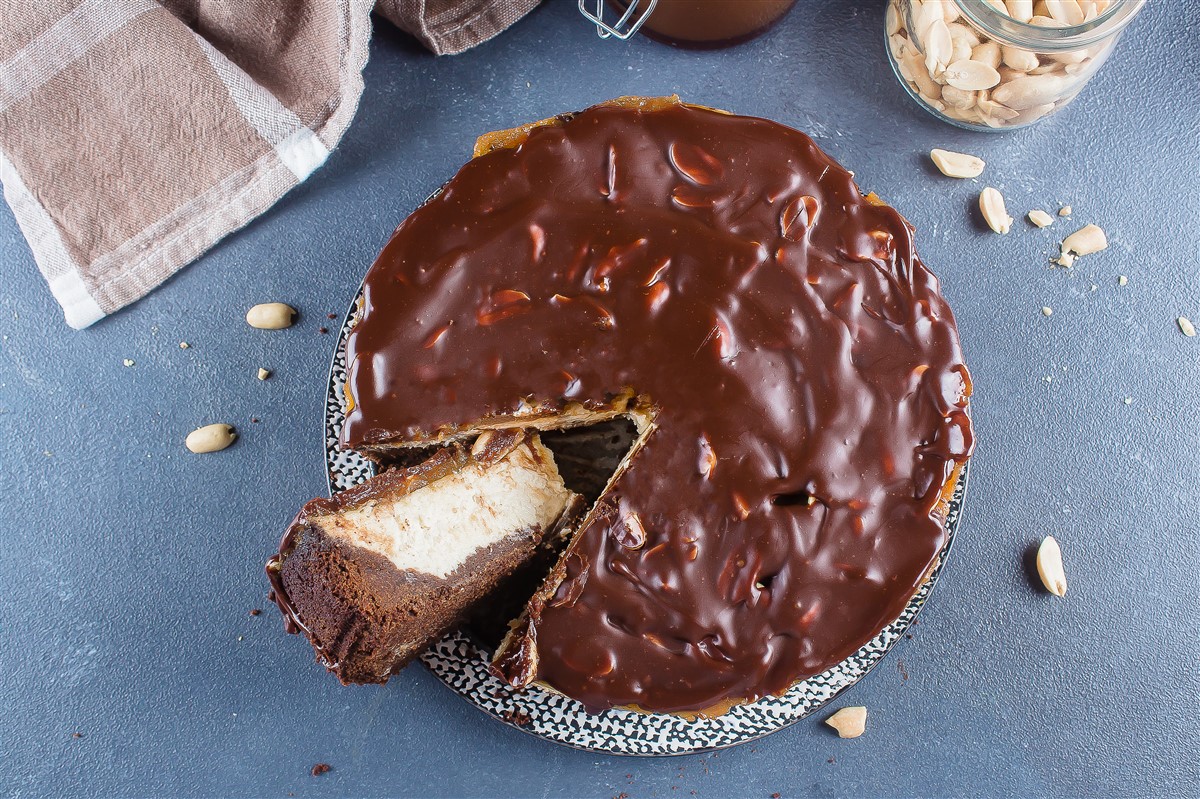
<point>707,23</point>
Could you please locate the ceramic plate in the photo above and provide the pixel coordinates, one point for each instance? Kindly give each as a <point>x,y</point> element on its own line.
<point>462,664</point>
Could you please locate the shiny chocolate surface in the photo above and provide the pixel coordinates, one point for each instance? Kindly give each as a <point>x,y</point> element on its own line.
<point>802,371</point>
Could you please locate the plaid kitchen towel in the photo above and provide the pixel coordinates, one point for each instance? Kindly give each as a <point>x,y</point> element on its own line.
<point>135,134</point>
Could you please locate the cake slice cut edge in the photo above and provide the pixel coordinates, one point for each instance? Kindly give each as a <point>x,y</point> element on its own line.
<point>515,660</point>
<point>375,574</point>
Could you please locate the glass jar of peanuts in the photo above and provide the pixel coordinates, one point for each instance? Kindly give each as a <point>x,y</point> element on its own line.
<point>1000,64</point>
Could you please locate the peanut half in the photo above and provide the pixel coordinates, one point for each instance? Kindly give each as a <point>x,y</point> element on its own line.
<point>850,722</point>
<point>1085,241</point>
<point>271,316</point>
<point>991,204</point>
<point>957,165</point>
<point>1020,10</point>
<point>970,75</point>
<point>1040,218</point>
<point>210,438</point>
<point>1065,11</point>
<point>1050,566</point>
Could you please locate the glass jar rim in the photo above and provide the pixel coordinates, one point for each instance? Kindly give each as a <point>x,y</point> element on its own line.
<point>1009,31</point>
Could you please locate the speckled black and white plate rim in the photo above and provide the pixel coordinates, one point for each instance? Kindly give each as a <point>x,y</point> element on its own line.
<point>459,662</point>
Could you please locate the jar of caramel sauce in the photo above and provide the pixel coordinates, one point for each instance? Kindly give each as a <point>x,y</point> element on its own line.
<point>693,23</point>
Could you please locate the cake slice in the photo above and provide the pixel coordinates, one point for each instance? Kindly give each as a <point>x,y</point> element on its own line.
<point>377,573</point>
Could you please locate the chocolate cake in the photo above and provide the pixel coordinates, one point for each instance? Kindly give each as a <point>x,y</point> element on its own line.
<point>377,573</point>
<point>793,372</point>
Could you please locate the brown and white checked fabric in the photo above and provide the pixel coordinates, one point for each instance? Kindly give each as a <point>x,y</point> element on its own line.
<point>135,134</point>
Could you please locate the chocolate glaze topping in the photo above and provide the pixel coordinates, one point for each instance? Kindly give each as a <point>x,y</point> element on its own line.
<point>802,371</point>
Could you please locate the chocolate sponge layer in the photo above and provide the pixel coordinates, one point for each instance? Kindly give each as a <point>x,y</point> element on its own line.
<point>377,573</point>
